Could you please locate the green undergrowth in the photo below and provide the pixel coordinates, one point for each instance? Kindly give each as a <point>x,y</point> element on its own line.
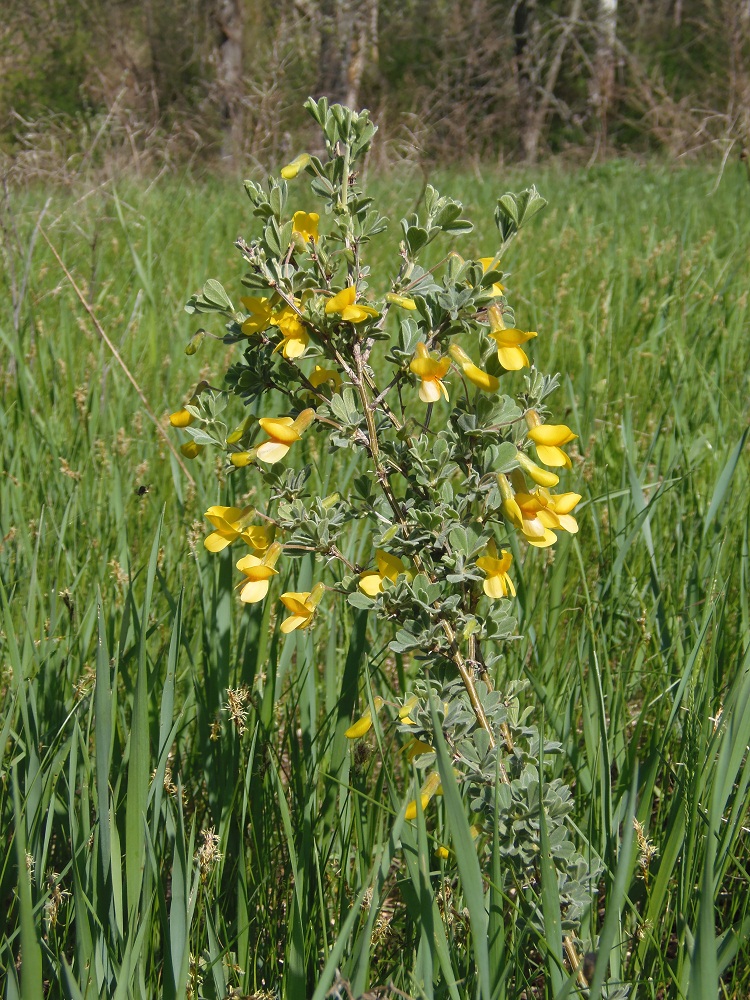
<point>272,861</point>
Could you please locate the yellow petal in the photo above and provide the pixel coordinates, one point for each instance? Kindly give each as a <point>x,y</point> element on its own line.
<point>240,459</point>
<point>303,420</point>
<point>360,727</point>
<point>254,591</point>
<point>190,449</point>
<point>371,583</point>
<point>552,455</point>
<point>181,418</point>
<point>481,379</point>
<point>415,748</point>
<point>540,476</point>
<point>358,313</point>
<point>290,171</point>
<point>494,586</point>
<point>247,562</point>
<point>306,224</point>
<point>295,347</point>
<point>389,565</point>
<point>543,542</point>
<point>404,301</point>
<point>429,390</point>
<point>296,601</point>
<point>321,375</point>
<point>296,621</point>
<point>442,852</point>
<point>341,300</point>
<point>512,358</point>
<point>429,788</point>
<point>551,434</point>
<point>258,537</point>
<point>406,708</point>
<point>216,542</point>
<point>272,451</point>
<point>280,429</point>
<point>565,502</point>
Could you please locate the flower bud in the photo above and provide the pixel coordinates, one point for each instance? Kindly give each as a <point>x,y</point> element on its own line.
<point>290,171</point>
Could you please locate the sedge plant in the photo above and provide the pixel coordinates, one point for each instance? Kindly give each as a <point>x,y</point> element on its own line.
<point>420,380</point>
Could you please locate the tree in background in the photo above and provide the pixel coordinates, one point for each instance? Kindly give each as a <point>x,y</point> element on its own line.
<point>159,81</point>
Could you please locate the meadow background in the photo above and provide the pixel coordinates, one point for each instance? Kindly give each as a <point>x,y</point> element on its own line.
<point>267,858</point>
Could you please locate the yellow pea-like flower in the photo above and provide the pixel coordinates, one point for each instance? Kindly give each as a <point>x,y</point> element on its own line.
<point>427,791</point>
<point>389,568</point>
<point>430,372</point>
<point>548,439</point>
<point>303,606</point>
<point>476,375</point>
<point>306,224</point>
<point>258,573</point>
<point>344,304</point>
<point>260,309</point>
<point>282,433</point>
<point>364,723</point>
<point>290,171</point>
<point>497,582</point>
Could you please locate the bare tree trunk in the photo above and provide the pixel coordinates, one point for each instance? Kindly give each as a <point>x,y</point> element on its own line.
<point>603,83</point>
<point>523,23</point>
<point>536,88</point>
<point>229,65</point>
<point>348,43</point>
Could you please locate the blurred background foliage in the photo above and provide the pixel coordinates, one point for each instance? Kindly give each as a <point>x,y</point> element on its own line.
<point>116,83</point>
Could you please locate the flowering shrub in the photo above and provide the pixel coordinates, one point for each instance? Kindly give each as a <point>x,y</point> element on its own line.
<point>422,375</point>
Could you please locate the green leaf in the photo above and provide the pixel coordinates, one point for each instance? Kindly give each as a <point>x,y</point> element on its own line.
<point>213,293</point>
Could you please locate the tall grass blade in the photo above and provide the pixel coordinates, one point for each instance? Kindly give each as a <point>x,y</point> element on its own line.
<point>466,858</point>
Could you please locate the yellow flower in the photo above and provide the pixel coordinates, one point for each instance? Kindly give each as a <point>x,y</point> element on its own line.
<point>181,418</point>
<point>427,791</point>
<point>290,171</point>
<point>404,301</point>
<point>260,309</point>
<point>522,510</point>
<point>430,372</point>
<point>293,332</point>
<point>344,304</point>
<point>442,853</point>
<point>540,476</point>
<point>258,572</point>
<point>509,351</point>
<point>539,514</point>
<point>363,724</point>
<point>303,606</point>
<point>190,449</point>
<point>494,263</point>
<point>554,509</point>
<point>324,375</point>
<point>239,459</point>
<point>228,522</point>
<point>403,712</point>
<point>306,224</point>
<point>480,378</point>
<point>389,568</point>
<point>548,438</point>
<point>282,433</point>
<point>415,748</point>
<point>497,583</point>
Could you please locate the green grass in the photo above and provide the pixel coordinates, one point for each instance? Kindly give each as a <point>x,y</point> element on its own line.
<point>121,635</point>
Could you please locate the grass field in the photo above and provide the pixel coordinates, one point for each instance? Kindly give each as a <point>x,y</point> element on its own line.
<point>267,859</point>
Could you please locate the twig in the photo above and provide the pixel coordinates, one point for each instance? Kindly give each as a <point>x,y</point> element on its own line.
<point>118,358</point>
